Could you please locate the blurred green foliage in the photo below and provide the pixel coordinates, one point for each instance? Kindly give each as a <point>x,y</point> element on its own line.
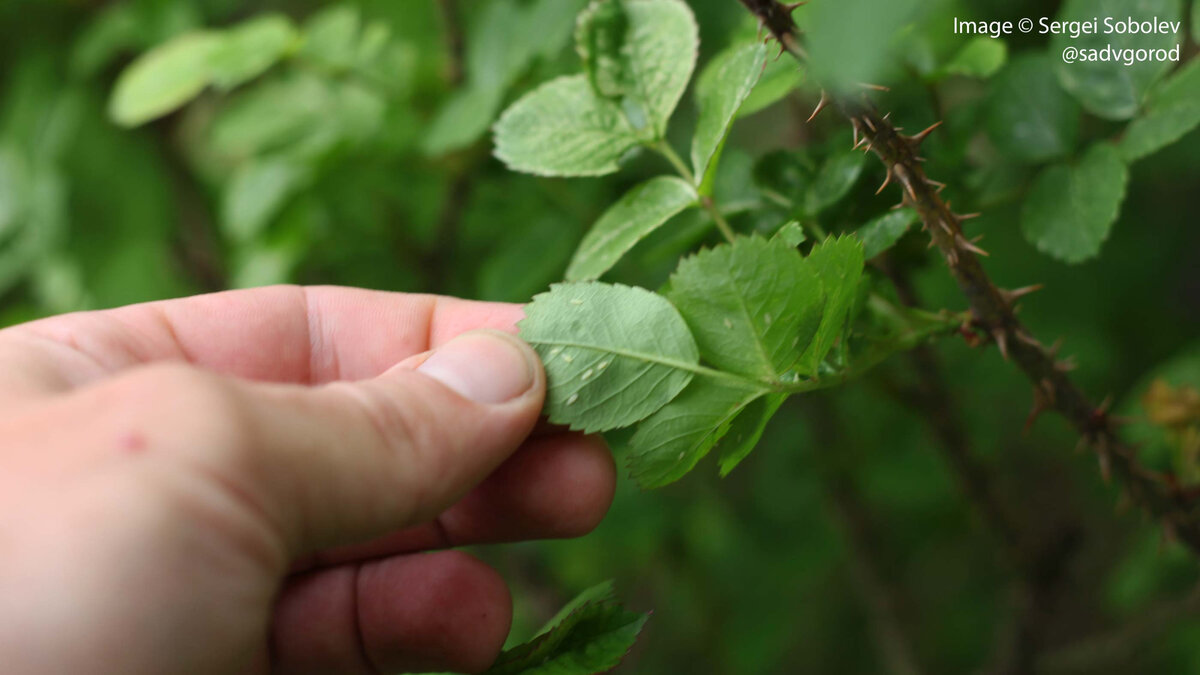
<point>347,144</point>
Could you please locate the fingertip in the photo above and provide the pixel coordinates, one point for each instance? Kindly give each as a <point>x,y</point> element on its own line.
<point>485,366</point>
<point>555,487</point>
<point>587,481</point>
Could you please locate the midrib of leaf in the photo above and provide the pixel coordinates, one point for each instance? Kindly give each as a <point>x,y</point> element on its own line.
<point>758,338</point>
<point>663,361</point>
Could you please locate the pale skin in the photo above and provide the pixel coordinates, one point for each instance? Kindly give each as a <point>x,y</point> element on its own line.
<point>262,481</point>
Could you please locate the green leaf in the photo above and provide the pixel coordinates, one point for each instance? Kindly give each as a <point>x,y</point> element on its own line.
<point>746,430</point>
<point>837,175</point>
<point>257,193</point>
<point>1030,117</point>
<point>1109,88</point>
<point>981,57</point>
<point>462,119</point>
<point>883,232</point>
<point>779,78</point>
<point>641,51</point>
<point>590,635</point>
<point>1172,111</point>
<point>641,211</point>
<point>331,37</point>
<point>669,443</point>
<point>792,234</point>
<point>1196,20</point>
<point>613,354</point>
<point>1072,207</point>
<point>563,128</point>
<point>663,40</point>
<point>272,115</point>
<point>752,306</point>
<point>164,78</point>
<point>249,49</point>
<point>720,91</point>
<point>839,266</point>
<point>600,35</point>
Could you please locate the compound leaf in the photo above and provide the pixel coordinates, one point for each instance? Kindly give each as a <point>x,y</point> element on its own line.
<point>720,91</point>
<point>613,354</point>
<point>1072,207</point>
<point>838,264</point>
<point>883,232</point>
<point>669,443</point>
<point>591,634</point>
<point>752,306</point>
<point>1172,111</point>
<point>563,128</point>
<point>638,213</point>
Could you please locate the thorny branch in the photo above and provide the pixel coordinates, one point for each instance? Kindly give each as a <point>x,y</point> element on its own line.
<point>993,308</point>
<point>1040,561</point>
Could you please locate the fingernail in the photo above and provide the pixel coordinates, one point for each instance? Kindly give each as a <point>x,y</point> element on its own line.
<point>483,366</point>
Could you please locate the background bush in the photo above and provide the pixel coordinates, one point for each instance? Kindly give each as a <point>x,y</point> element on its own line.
<point>844,544</point>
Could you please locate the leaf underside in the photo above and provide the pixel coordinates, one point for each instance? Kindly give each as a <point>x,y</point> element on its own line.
<point>613,354</point>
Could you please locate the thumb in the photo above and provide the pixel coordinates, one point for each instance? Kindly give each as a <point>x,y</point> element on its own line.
<point>352,460</point>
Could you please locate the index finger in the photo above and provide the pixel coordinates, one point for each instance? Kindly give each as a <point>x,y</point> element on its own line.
<point>294,334</point>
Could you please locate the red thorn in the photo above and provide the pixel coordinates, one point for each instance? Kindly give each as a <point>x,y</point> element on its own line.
<point>876,87</point>
<point>963,243</point>
<point>790,7</point>
<point>887,179</point>
<point>870,124</point>
<point>820,104</point>
<point>1105,466</point>
<point>1016,294</point>
<point>1027,338</point>
<point>918,139</point>
<point>1001,339</point>
<point>967,216</point>
<point>1043,399</point>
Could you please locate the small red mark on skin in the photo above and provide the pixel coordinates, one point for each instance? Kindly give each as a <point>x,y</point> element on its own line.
<point>131,443</point>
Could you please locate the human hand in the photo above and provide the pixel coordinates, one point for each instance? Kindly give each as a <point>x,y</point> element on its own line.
<point>245,481</point>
